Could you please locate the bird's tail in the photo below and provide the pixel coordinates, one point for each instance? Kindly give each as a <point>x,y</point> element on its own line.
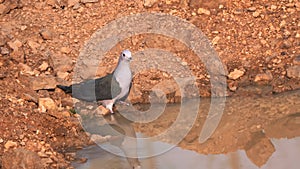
<point>66,89</point>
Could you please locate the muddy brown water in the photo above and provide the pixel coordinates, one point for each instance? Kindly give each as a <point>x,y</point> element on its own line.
<point>254,132</point>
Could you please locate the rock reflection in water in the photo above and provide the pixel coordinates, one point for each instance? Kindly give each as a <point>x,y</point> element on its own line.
<point>248,136</point>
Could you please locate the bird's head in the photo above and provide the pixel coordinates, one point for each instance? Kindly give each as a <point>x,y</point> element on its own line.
<point>126,55</point>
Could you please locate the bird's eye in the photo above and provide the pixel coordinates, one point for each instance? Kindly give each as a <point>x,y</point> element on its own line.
<point>123,54</point>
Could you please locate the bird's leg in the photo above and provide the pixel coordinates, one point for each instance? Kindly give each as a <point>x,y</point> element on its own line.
<point>109,106</point>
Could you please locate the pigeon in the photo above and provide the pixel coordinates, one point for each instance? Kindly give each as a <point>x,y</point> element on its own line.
<point>106,90</point>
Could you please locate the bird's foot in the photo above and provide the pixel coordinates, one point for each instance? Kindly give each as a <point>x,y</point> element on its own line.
<point>124,103</point>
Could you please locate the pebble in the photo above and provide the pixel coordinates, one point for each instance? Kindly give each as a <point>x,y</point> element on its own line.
<point>256,14</point>
<point>264,77</point>
<point>46,104</point>
<point>296,61</point>
<point>235,74</point>
<point>72,3</point>
<point>4,51</point>
<point>286,44</point>
<point>33,45</point>
<point>201,11</point>
<point>273,7</point>
<point>3,9</point>
<point>15,45</point>
<point>215,40</point>
<point>44,66</point>
<point>282,24</point>
<point>10,144</point>
<point>65,50</point>
<point>44,82</point>
<point>293,71</point>
<point>62,75</point>
<point>25,69</point>
<point>46,34</point>
<point>149,3</point>
<point>252,9</point>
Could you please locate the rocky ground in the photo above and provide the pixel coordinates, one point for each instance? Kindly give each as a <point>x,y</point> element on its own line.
<point>40,40</point>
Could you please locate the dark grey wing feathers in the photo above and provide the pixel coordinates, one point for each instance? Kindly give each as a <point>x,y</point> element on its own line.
<point>103,88</point>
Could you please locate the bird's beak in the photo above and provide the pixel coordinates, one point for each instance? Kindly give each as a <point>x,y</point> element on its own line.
<point>130,59</point>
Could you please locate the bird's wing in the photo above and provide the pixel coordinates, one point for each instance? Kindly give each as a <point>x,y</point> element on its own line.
<point>103,88</point>
<point>107,87</point>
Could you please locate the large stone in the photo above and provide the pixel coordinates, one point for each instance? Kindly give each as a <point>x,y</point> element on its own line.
<point>259,149</point>
<point>264,77</point>
<point>149,3</point>
<point>73,2</point>
<point>235,74</point>
<point>10,144</point>
<point>44,82</point>
<point>46,34</point>
<point>296,61</point>
<point>20,159</point>
<point>15,45</point>
<point>61,63</point>
<point>293,71</point>
<point>46,104</point>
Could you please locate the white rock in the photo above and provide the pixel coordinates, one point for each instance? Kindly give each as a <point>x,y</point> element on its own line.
<point>10,144</point>
<point>44,66</point>
<point>201,11</point>
<point>235,74</point>
<point>46,104</point>
<point>149,3</point>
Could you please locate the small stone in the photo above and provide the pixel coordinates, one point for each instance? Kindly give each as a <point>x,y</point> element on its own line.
<point>286,44</point>
<point>282,24</point>
<point>44,66</point>
<point>256,14</point>
<point>103,110</point>
<point>61,63</point>
<point>62,75</point>
<point>296,61</point>
<point>98,138</point>
<point>10,144</point>
<point>297,35</point>
<point>273,7</point>
<point>66,114</point>
<point>88,1</point>
<point>44,82</point>
<point>235,74</point>
<point>33,45</point>
<point>46,34</point>
<point>201,11</point>
<point>4,51</point>
<point>215,40</point>
<point>293,71</point>
<point>72,3</point>
<point>184,63</point>
<point>30,97</point>
<point>46,104</point>
<point>264,77</point>
<point>252,9</point>
<point>15,45</point>
<point>4,9</point>
<point>149,3</point>
<point>25,69</point>
<point>65,50</point>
